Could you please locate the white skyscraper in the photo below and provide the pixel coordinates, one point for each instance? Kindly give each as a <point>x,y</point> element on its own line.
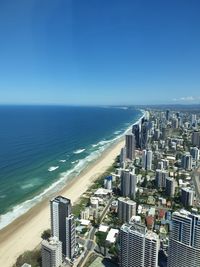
<point>51,252</point>
<point>184,242</point>
<point>128,183</point>
<point>130,146</point>
<point>126,209</point>
<point>62,224</point>
<point>138,247</point>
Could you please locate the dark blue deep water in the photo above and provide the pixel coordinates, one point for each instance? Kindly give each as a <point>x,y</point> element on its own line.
<point>41,146</point>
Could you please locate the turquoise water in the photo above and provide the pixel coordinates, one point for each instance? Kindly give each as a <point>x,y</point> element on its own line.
<point>41,147</point>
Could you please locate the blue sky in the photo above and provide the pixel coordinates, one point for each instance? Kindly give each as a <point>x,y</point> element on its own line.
<point>99,51</point>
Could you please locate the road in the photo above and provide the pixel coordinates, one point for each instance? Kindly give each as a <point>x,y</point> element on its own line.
<point>90,244</point>
<point>196,180</point>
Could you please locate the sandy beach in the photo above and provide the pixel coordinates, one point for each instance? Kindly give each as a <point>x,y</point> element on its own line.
<point>24,233</point>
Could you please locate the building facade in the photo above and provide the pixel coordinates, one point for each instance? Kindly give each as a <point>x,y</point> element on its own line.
<point>51,252</point>
<point>61,219</point>
<point>138,246</point>
<point>184,242</point>
<point>126,209</point>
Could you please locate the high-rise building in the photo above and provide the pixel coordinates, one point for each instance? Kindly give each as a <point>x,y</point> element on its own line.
<point>194,151</point>
<point>138,246</point>
<point>70,236</point>
<point>130,146</point>
<point>126,209</point>
<point>144,159</point>
<point>147,159</point>
<point>51,252</point>
<point>184,241</point>
<point>187,196</point>
<point>123,157</point>
<point>161,176</point>
<point>136,130</point>
<point>175,123</point>
<point>128,183</point>
<point>170,186</point>
<point>60,220</point>
<point>167,115</point>
<point>108,182</point>
<point>144,135</point>
<point>196,138</point>
<point>186,161</point>
<point>193,119</point>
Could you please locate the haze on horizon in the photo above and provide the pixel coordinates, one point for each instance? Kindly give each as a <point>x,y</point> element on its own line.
<point>99,52</point>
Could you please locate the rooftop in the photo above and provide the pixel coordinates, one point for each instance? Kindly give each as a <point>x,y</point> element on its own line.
<point>112,234</point>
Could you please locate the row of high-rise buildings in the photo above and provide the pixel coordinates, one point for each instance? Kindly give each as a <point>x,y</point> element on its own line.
<point>139,247</point>
<point>63,241</point>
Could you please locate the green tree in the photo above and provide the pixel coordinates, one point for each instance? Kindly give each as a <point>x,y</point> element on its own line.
<point>46,234</point>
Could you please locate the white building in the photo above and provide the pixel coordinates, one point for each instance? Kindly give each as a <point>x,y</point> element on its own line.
<point>184,242</point>
<point>51,252</point>
<point>126,209</point>
<point>138,247</point>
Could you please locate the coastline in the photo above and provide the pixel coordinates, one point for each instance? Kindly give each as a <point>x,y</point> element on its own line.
<point>24,233</point>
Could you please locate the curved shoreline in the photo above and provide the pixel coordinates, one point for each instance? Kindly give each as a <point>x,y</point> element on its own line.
<point>24,233</point>
<point>64,177</point>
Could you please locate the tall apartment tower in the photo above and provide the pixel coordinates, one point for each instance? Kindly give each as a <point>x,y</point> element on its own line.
<point>170,186</point>
<point>136,130</point>
<point>128,183</point>
<point>130,146</point>
<point>62,224</point>
<point>187,196</point>
<point>161,176</point>
<point>126,209</point>
<point>186,161</point>
<point>144,135</point>
<point>138,247</point>
<point>167,115</point>
<point>184,241</point>
<point>194,152</point>
<point>123,157</point>
<point>51,252</point>
<point>147,159</point>
<point>196,138</point>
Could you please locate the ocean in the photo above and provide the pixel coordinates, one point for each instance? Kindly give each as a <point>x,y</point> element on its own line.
<point>41,147</point>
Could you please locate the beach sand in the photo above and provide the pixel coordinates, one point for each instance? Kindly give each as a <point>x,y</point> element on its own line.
<point>24,233</point>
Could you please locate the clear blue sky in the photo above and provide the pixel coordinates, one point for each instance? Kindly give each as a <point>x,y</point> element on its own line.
<point>99,51</point>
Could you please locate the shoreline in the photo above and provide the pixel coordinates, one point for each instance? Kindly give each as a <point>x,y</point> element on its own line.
<point>64,178</point>
<point>24,232</point>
